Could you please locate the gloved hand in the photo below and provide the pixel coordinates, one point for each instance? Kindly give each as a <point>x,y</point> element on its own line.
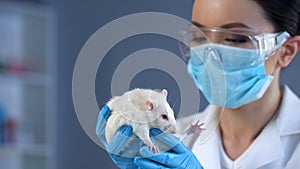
<point>178,157</point>
<point>123,158</point>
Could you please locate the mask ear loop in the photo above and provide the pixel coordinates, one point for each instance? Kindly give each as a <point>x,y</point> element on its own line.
<point>215,114</point>
<point>207,127</point>
<point>184,46</point>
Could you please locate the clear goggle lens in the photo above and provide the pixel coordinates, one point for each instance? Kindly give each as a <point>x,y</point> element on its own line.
<point>228,38</point>
<point>263,44</point>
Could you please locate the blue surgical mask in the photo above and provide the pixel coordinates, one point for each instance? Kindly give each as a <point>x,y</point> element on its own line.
<point>219,72</point>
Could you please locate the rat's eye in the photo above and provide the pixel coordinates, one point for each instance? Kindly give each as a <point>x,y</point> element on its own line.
<point>165,117</point>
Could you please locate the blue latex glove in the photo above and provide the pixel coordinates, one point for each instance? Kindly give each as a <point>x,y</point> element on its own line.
<point>178,157</point>
<point>122,158</point>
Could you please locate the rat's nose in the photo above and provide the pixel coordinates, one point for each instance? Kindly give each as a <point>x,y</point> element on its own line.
<point>172,130</point>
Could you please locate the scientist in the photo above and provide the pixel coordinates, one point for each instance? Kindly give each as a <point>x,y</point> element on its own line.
<point>250,41</point>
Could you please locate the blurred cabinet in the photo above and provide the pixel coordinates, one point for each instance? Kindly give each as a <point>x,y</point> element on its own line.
<point>27,86</point>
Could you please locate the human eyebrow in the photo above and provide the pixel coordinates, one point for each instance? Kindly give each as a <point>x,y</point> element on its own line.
<point>226,26</point>
<point>197,24</point>
<point>235,25</point>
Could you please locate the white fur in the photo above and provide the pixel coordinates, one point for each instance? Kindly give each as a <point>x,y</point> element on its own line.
<point>131,109</point>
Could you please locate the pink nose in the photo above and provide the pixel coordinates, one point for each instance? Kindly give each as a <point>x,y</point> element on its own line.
<point>170,130</point>
<point>173,130</point>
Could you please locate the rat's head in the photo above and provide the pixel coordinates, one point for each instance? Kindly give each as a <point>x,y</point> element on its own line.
<point>159,108</point>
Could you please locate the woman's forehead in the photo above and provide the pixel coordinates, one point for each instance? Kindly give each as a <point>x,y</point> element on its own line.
<point>217,13</point>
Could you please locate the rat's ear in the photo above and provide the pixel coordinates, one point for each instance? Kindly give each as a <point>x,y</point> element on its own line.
<point>165,92</point>
<point>149,105</point>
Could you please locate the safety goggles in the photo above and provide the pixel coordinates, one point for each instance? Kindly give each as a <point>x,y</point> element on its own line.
<point>264,45</point>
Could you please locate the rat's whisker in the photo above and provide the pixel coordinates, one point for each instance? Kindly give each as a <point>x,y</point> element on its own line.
<point>175,103</point>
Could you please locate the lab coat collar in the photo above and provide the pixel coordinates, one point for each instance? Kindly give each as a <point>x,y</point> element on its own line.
<point>288,113</point>
<point>273,133</point>
<point>268,141</point>
<point>262,146</point>
<point>208,153</point>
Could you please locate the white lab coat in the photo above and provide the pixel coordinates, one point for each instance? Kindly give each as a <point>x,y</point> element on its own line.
<point>277,146</point>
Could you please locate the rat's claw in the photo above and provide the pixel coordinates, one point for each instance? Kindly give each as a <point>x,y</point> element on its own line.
<point>154,149</point>
<point>195,128</point>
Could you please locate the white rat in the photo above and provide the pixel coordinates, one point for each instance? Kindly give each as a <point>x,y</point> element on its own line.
<point>142,109</point>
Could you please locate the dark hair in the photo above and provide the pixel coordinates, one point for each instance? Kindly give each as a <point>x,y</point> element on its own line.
<point>284,14</point>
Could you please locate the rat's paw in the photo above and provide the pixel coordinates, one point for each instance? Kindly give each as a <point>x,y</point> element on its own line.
<point>154,149</point>
<point>195,128</point>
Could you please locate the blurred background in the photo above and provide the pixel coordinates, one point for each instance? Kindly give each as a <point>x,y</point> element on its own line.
<point>39,43</point>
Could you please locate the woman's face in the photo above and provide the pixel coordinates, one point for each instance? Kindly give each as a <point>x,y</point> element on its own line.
<point>236,15</point>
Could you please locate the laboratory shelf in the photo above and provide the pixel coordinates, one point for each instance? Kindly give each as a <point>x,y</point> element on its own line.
<point>29,78</point>
<point>27,86</point>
